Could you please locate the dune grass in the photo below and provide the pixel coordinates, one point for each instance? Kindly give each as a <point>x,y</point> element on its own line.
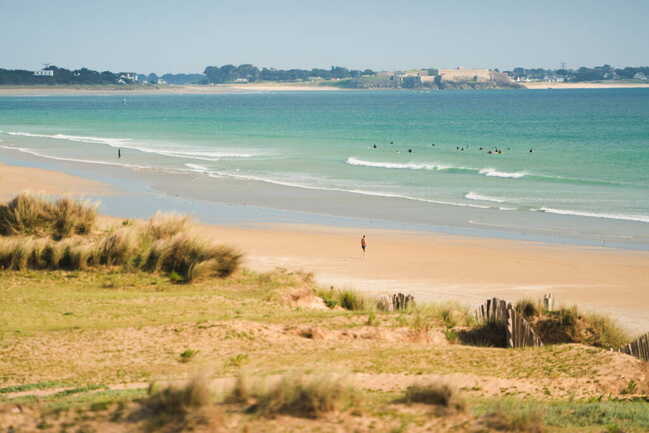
<point>28,214</point>
<point>438,394</point>
<point>346,298</point>
<point>295,394</point>
<point>569,325</point>
<point>166,243</point>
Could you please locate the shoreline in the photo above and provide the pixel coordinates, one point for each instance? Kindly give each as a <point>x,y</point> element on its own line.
<point>432,266</point>
<point>198,89</point>
<point>242,200</point>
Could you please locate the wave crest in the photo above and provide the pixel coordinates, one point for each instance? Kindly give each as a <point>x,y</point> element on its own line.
<point>408,165</point>
<point>475,196</point>
<point>639,218</point>
<point>492,172</point>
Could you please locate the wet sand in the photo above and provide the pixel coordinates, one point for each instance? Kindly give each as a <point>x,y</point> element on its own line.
<point>15,179</point>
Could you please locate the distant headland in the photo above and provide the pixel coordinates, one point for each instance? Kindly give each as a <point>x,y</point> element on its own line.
<point>227,78</point>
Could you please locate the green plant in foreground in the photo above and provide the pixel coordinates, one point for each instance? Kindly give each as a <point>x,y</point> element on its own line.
<point>237,360</point>
<point>188,355</point>
<point>630,388</point>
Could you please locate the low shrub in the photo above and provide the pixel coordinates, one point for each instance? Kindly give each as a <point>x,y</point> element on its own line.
<point>346,298</point>
<point>296,395</point>
<point>524,421</point>
<point>184,406</point>
<point>568,325</point>
<point>439,394</point>
<point>528,308</point>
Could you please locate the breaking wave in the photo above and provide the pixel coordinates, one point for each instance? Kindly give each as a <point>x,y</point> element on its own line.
<point>639,218</point>
<point>127,143</point>
<point>475,196</point>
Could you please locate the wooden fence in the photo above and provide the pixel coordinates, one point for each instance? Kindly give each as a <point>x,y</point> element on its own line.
<point>519,333</point>
<point>638,347</point>
<point>494,310</point>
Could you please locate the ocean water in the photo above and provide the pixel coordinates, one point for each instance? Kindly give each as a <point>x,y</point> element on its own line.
<point>570,152</point>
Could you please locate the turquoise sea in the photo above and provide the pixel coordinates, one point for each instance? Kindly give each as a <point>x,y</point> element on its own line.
<point>553,152</point>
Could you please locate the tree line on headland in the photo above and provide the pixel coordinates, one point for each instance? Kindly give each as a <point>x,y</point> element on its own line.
<point>343,77</point>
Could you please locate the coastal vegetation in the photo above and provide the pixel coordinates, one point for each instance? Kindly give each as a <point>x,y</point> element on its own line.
<point>117,346</point>
<point>251,73</point>
<point>334,76</point>
<point>163,244</point>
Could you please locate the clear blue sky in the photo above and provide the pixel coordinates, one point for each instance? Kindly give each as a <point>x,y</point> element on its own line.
<point>185,36</point>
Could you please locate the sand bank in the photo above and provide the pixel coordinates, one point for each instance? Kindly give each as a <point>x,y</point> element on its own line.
<point>160,90</point>
<point>558,86</point>
<point>18,179</point>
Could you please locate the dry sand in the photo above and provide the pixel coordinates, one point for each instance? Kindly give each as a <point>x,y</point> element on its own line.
<point>438,267</point>
<point>19,179</point>
<point>431,266</point>
<point>558,86</point>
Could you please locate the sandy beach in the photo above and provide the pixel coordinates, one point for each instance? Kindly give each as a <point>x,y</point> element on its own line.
<point>161,90</point>
<point>431,266</point>
<point>38,181</point>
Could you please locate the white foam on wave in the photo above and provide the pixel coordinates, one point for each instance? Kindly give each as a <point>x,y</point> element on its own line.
<point>352,191</point>
<point>84,161</point>
<point>127,143</point>
<point>639,218</point>
<point>492,172</point>
<point>114,142</point>
<point>479,197</point>
<point>197,168</point>
<point>409,165</point>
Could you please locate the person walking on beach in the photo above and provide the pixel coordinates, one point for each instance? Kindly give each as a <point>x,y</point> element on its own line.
<point>363,245</point>
<point>119,153</point>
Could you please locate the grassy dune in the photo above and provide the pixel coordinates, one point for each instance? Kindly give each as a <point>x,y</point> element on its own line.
<point>117,347</point>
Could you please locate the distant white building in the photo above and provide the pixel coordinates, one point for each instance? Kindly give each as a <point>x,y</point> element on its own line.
<point>44,73</point>
<point>128,76</point>
<point>640,76</point>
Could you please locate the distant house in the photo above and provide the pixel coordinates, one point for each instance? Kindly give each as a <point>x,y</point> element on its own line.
<point>44,73</point>
<point>640,76</point>
<point>128,77</point>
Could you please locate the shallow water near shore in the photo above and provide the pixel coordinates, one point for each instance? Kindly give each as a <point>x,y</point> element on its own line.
<point>306,157</point>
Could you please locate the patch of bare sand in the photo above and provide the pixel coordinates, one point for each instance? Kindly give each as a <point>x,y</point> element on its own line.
<point>386,355</point>
<point>15,179</point>
<point>435,267</point>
